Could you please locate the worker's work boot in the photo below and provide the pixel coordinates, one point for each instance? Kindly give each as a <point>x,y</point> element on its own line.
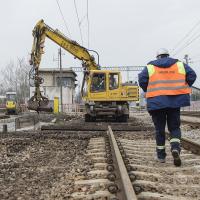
<point>176,156</point>
<point>161,160</point>
<point>161,155</point>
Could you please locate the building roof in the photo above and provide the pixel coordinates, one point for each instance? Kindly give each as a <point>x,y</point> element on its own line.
<point>57,70</point>
<point>11,93</point>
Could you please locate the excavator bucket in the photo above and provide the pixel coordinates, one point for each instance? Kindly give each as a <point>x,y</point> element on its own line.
<point>39,105</point>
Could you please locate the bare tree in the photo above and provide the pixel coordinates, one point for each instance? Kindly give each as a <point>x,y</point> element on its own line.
<point>23,79</point>
<point>9,77</point>
<point>15,78</point>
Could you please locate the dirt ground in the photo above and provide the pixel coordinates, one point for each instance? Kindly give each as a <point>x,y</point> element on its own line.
<point>40,167</point>
<point>45,165</point>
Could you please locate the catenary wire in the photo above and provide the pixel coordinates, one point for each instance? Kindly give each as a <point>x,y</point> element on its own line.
<point>88,24</point>
<point>191,41</point>
<point>79,24</point>
<point>63,18</point>
<point>188,33</point>
<point>194,35</point>
<point>81,21</point>
<point>195,61</point>
<point>196,55</point>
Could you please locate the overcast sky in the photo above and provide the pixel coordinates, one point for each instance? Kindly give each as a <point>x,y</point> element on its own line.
<point>124,32</point>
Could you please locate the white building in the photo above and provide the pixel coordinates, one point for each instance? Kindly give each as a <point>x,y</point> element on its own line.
<point>51,87</point>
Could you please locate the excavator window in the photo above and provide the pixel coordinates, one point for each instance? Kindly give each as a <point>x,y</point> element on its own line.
<point>113,81</point>
<point>98,82</point>
<point>11,97</point>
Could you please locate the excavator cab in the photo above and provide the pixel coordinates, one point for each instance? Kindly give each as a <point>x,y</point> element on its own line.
<point>98,83</point>
<point>107,96</point>
<point>107,85</point>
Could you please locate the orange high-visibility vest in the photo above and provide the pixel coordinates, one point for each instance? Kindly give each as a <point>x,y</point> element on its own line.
<point>167,81</point>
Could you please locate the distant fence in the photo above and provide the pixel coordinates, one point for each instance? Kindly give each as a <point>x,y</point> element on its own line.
<point>25,121</point>
<point>73,108</point>
<point>195,106</point>
<point>67,108</point>
<point>2,105</point>
<point>23,108</point>
<point>19,122</point>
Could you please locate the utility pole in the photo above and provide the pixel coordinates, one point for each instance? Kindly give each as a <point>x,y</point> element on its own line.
<point>187,59</point>
<point>59,60</point>
<point>60,63</point>
<point>127,74</point>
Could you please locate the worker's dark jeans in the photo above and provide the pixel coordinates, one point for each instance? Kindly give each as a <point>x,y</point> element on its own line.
<point>172,117</point>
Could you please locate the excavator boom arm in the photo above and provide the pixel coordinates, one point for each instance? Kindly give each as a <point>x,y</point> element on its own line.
<point>40,32</point>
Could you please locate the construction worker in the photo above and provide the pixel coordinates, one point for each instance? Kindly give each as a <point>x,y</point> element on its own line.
<point>167,83</point>
<point>101,85</point>
<point>113,81</point>
<point>98,83</point>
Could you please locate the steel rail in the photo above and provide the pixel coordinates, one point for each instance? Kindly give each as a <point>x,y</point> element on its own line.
<point>190,123</point>
<point>190,145</point>
<point>4,116</point>
<point>127,192</point>
<point>191,113</point>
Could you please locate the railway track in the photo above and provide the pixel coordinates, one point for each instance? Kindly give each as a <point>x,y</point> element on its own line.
<point>191,122</point>
<point>125,168</point>
<point>191,118</point>
<point>96,162</point>
<point>191,113</point>
<point>162,181</point>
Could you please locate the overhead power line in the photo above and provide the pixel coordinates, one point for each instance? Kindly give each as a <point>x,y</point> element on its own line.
<point>83,18</point>
<point>79,23</point>
<point>186,36</point>
<point>196,55</point>
<point>63,18</point>
<point>88,24</point>
<point>190,42</point>
<point>196,61</point>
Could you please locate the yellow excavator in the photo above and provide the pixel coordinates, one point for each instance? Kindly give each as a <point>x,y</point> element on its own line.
<point>12,106</point>
<point>103,92</point>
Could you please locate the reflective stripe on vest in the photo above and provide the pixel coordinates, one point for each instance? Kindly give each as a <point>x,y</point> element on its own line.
<point>167,81</point>
<point>167,88</point>
<point>181,68</point>
<point>150,69</point>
